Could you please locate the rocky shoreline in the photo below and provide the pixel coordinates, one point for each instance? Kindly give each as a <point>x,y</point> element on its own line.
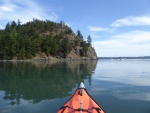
<point>43,60</point>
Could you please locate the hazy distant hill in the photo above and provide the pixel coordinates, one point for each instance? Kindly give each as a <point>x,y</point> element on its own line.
<point>43,40</point>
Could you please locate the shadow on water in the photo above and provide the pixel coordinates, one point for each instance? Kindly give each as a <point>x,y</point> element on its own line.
<point>37,81</point>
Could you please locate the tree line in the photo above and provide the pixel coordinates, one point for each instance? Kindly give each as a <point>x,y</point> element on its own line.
<point>24,41</point>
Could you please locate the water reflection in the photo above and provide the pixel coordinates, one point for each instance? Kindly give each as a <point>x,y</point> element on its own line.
<point>42,87</point>
<point>125,80</point>
<point>135,73</point>
<point>37,81</point>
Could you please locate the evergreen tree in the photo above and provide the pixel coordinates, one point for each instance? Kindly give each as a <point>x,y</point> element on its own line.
<point>7,28</point>
<point>79,34</point>
<point>84,46</point>
<point>65,47</point>
<point>24,41</point>
<point>18,23</point>
<point>89,40</point>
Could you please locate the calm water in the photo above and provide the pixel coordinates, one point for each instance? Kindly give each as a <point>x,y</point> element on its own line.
<point>43,87</point>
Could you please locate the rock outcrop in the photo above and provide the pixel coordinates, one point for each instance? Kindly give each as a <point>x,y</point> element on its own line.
<point>75,54</point>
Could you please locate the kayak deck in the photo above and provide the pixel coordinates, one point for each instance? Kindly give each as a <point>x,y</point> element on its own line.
<point>81,102</point>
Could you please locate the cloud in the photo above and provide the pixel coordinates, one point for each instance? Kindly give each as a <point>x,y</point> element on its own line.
<point>133,37</point>
<point>24,10</point>
<point>132,21</point>
<point>127,21</point>
<point>95,29</point>
<point>94,35</point>
<point>132,43</point>
<point>6,8</point>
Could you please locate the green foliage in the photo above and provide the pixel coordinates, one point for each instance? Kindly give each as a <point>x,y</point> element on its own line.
<point>83,51</point>
<point>24,41</point>
<point>89,40</point>
<point>22,80</point>
<point>79,34</point>
<point>65,47</point>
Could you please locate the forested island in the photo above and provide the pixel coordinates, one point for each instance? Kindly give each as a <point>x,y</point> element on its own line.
<point>38,40</point>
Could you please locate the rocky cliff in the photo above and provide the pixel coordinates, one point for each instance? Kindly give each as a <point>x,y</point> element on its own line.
<point>76,54</point>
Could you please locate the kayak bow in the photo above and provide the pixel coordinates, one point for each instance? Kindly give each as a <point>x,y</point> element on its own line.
<point>81,102</point>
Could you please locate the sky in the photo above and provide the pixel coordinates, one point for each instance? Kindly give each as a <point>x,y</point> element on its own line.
<point>117,27</point>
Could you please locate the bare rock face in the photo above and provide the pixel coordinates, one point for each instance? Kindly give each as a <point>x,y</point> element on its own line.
<point>76,54</point>
<point>91,54</point>
<point>73,55</point>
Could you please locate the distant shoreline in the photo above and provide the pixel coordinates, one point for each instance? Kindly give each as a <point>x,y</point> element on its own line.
<point>142,57</point>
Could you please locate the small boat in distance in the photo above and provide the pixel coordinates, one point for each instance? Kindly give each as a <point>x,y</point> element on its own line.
<point>81,102</point>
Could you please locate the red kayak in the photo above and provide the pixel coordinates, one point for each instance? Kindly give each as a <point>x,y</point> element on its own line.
<point>81,102</point>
